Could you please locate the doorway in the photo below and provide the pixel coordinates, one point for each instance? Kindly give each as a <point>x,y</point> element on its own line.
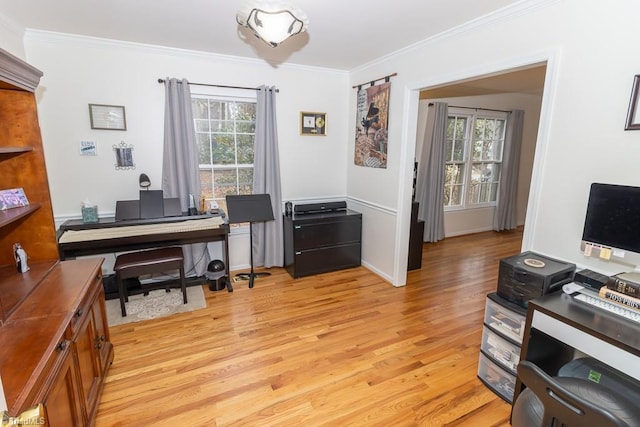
<point>518,88</point>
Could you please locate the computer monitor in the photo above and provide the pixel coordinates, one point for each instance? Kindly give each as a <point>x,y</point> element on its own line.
<point>612,224</point>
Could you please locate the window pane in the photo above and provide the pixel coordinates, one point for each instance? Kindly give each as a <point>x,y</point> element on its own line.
<point>245,178</point>
<point>202,125</point>
<point>245,149</point>
<point>200,108</point>
<point>206,184</point>
<point>246,111</point>
<point>246,127</point>
<point>225,182</point>
<point>223,149</point>
<point>458,152</point>
<point>453,195</point>
<point>448,154</point>
<point>204,148</point>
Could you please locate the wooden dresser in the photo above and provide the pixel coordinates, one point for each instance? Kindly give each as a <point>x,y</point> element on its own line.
<point>54,340</point>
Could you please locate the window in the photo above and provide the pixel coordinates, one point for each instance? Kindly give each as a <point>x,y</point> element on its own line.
<point>473,158</point>
<point>225,132</point>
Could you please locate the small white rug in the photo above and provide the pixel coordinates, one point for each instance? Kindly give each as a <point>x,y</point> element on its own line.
<point>158,303</point>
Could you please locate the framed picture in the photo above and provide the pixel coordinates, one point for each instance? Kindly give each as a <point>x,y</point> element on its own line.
<point>12,198</point>
<point>110,117</point>
<point>313,123</point>
<point>124,156</point>
<point>87,148</point>
<point>633,115</point>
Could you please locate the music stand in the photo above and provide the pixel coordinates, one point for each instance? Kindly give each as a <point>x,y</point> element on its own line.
<point>250,208</point>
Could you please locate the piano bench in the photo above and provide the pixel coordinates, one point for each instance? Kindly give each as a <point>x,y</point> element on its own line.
<point>136,264</point>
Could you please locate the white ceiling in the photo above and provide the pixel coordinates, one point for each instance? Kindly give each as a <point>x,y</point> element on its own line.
<point>342,34</point>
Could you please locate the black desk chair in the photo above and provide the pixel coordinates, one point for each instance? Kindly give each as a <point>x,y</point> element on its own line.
<point>250,208</point>
<point>566,401</point>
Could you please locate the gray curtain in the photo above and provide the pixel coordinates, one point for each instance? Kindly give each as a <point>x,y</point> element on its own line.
<point>268,246</point>
<point>430,180</point>
<point>504,217</point>
<point>180,166</point>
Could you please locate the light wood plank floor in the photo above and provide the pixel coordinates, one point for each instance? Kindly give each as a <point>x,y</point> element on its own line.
<point>343,348</point>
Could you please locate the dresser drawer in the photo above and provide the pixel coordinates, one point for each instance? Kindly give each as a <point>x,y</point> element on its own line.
<point>321,260</point>
<point>327,233</point>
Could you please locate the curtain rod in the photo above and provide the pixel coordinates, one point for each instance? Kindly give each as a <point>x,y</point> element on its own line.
<point>373,81</point>
<point>228,87</point>
<point>474,108</point>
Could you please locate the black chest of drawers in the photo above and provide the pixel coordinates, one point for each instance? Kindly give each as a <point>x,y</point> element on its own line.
<point>321,242</point>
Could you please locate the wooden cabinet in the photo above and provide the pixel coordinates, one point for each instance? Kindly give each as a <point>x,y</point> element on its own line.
<point>320,242</point>
<point>54,339</point>
<point>61,322</point>
<point>22,165</point>
<point>61,397</point>
<point>92,349</point>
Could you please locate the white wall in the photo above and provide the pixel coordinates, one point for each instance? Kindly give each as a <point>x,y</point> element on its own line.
<point>11,37</point>
<point>80,70</point>
<point>458,222</point>
<point>580,139</point>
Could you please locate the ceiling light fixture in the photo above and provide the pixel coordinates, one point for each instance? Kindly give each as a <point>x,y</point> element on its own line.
<point>272,22</point>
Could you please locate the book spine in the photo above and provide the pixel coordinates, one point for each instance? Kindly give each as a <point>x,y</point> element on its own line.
<point>619,298</point>
<point>624,287</point>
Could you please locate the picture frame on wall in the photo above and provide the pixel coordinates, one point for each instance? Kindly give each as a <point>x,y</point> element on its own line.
<point>107,117</point>
<point>633,114</point>
<point>314,124</point>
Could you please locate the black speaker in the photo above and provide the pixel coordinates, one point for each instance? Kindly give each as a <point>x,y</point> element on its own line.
<point>319,207</point>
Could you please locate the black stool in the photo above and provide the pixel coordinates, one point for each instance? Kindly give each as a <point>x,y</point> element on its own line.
<point>136,264</point>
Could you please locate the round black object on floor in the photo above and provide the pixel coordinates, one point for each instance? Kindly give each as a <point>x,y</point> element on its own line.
<point>216,265</point>
<point>528,409</point>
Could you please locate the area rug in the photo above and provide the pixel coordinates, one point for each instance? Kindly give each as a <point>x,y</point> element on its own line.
<point>158,303</point>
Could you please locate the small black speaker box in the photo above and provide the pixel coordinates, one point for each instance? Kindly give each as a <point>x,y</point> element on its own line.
<point>319,207</point>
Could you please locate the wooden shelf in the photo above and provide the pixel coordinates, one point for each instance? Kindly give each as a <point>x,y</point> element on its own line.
<point>14,150</point>
<point>15,287</point>
<point>14,214</point>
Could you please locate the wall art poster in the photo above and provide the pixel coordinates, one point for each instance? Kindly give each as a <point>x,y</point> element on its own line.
<point>371,126</point>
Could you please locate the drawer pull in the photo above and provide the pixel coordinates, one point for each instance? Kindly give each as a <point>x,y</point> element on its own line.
<point>79,313</point>
<point>297,227</point>
<point>62,345</point>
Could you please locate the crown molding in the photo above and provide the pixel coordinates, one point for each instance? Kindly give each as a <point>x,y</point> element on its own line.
<point>17,73</point>
<point>43,36</point>
<point>508,12</point>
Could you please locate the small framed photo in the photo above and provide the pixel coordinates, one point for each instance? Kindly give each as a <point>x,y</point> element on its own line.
<point>313,123</point>
<point>88,148</point>
<point>633,114</point>
<point>109,117</point>
<point>12,198</point>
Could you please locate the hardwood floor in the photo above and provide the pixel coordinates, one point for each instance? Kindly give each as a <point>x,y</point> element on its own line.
<point>343,348</point>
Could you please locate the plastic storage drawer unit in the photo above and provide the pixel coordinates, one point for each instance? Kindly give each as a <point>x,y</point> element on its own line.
<point>505,317</point>
<point>496,378</point>
<point>500,350</point>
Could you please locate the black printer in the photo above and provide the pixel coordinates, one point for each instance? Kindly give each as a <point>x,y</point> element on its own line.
<point>529,275</point>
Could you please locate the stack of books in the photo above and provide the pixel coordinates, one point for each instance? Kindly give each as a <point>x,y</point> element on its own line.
<point>623,289</point>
